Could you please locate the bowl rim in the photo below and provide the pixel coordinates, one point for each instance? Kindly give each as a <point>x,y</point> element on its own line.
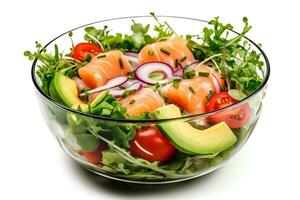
<point>61,106</point>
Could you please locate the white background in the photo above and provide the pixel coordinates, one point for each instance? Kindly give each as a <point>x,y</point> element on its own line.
<point>34,167</point>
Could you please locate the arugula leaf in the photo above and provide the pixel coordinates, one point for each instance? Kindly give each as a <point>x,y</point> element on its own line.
<point>87,142</point>
<point>134,42</point>
<point>238,63</point>
<point>164,30</point>
<point>48,64</point>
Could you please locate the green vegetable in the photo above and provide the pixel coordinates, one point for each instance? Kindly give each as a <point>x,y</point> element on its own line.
<point>48,64</point>
<point>183,59</point>
<point>205,74</point>
<point>87,142</point>
<point>238,63</point>
<point>189,74</point>
<point>126,93</point>
<point>165,51</point>
<point>192,89</point>
<point>211,93</point>
<point>134,42</point>
<point>164,30</point>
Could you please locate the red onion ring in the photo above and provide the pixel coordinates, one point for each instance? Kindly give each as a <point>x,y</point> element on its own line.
<point>111,83</point>
<point>143,71</point>
<point>79,84</point>
<point>179,71</point>
<point>133,58</point>
<point>117,92</point>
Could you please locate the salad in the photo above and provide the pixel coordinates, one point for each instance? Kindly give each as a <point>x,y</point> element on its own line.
<point>151,78</point>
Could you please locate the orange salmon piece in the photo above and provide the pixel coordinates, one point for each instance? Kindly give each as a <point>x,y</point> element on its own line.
<point>103,67</point>
<point>191,93</point>
<point>144,100</point>
<point>168,52</point>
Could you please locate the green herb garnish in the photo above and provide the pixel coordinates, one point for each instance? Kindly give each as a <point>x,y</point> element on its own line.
<point>101,56</point>
<point>88,58</point>
<point>165,51</point>
<point>126,93</point>
<point>238,63</point>
<point>164,30</point>
<point>210,94</point>
<point>132,101</point>
<point>176,63</point>
<point>192,89</point>
<point>150,53</point>
<point>205,74</point>
<point>121,63</point>
<point>176,82</point>
<point>189,74</point>
<point>183,58</point>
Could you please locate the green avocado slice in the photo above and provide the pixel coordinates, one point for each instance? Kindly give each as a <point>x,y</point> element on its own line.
<point>64,89</point>
<point>190,140</point>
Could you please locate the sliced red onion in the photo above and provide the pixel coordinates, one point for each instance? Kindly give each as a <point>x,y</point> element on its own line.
<point>79,84</point>
<point>111,83</point>
<point>179,71</point>
<point>216,83</point>
<point>142,72</point>
<point>131,54</point>
<point>118,92</point>
<point>133,59</point>
<point>193,65</point>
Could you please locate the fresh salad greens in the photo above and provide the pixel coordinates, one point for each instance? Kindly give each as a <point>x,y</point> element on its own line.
<point>116,82</point>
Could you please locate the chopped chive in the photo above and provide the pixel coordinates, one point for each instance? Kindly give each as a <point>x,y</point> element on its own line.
<point>192,89</point>
<point>88,58</point>
<point>189,74</point>
<point>121,63</point>
<point>183,59</point>
<point>211,93</point>
<point>206,74</point>
<point>176,83</point>
<point>165,51</point>
<point>128,92</point>
<point>101,56</point>
<point>176,63</point>
<point>132,101</point>
<point>150,53</point>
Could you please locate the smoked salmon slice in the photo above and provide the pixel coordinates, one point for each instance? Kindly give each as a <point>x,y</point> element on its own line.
<point>173,52</point>
<point>145,100</point>
<point>191,94</point>
<point>103,67</point>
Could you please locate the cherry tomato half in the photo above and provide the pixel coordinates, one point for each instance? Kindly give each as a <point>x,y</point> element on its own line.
<point>151,145</point>
<point>81,50</point>
<point>94,157</point>
<point>234,118</point>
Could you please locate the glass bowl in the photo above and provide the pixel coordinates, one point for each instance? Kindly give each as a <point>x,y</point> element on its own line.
<point>67,124</point>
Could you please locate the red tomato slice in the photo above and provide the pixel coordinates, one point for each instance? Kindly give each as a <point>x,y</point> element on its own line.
<point>94,157</point>
<point>151,145</point>
<point>234,118</point>
<point>81,50</point>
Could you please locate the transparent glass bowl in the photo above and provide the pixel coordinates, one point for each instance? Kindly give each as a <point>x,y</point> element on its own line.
<point>59,117</point>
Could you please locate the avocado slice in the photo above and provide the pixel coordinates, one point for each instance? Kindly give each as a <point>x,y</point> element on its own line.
<point>64,89</point>
<point>190,140</point>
